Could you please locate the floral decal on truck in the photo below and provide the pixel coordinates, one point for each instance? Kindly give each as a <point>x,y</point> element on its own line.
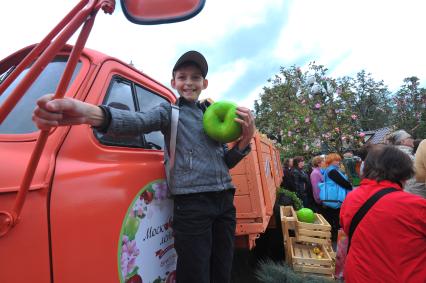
<point>146,249</point>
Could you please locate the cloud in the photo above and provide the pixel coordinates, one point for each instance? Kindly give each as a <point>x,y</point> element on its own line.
<point>25,24</point>
<point>251,97</point>
<point>221,81</point>
<point>222,17</point>
<point>246,41</point>
<point>381,37</point>
<point>154,49</point>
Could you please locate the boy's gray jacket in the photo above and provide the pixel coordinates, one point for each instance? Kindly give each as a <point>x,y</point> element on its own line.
<point>201,164</point>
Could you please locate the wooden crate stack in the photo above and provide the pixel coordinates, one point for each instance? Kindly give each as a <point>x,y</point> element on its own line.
<point>310,250</point>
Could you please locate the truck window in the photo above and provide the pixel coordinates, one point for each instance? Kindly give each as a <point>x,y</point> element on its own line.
<point>126,95</point>
<point>120,96</point>
<point>19,119</point>
<point>146,101</point>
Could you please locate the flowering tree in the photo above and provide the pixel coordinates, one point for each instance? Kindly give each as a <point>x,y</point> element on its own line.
<point>410,108</point>
<point>372,101</point>
<point>308,112</point>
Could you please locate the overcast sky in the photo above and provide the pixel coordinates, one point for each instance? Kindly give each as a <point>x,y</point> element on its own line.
<point>246,41</point>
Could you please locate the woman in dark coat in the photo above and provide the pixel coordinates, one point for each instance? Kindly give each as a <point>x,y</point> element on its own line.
<point>301,180</point>
<point>287,182</point>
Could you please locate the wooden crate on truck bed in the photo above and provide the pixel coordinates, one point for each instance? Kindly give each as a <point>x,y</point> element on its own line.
<point>300,238</point>
<point>304,259</point>
<point>318,232</point>
<point>256,178</point>
<point>288,222</point>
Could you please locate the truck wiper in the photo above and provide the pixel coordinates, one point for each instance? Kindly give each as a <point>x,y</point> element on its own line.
<point>6,74</point>
<point>153,145</point>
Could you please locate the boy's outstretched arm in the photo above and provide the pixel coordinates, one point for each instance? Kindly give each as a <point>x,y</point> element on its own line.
<point>247,125</point>
<point>51,112</point>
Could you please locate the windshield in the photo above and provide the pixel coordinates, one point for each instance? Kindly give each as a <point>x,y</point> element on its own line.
<point>19,119</point>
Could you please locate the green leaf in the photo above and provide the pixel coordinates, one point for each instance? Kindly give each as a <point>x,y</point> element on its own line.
<point>134,272</point>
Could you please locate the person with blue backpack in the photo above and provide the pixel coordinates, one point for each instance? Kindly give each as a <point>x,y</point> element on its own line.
<point>333,191</point>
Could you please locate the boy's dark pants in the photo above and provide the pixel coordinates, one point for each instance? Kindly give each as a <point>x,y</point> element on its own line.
<point>204,230</point>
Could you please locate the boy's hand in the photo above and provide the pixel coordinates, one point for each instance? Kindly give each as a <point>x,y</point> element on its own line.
<point>247,125</point>
<point>64,112</point>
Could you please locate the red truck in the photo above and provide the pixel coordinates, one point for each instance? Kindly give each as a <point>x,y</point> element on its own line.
<point>79,206</point>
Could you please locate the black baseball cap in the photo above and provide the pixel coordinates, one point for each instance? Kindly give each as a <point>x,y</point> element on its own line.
<point>195,57</point>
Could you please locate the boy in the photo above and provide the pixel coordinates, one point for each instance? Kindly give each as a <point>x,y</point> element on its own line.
<point>204,214</point>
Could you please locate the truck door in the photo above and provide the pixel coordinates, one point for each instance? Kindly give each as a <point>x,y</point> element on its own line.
<point>24,249</point>
<point>110,215</point>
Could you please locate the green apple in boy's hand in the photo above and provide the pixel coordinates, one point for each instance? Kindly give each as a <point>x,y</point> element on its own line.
<point>131,227</point>
<point>306,215</point>
<point>219,122</point>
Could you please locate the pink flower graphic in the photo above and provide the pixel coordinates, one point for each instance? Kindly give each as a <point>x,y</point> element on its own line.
<point>307,120</point>
<point>138,209</point>
<point>289,133</point>
<point>160,190</point>
<point>129,252</point>
<point>317,105</point>
<point>361,135</point>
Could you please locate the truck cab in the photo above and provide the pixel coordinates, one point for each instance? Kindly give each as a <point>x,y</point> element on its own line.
<point>87,185</point>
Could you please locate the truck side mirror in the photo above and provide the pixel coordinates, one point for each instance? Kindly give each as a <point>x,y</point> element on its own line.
<point>152,12</point>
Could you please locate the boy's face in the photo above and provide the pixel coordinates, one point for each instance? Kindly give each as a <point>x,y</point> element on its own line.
<point>189,82</point>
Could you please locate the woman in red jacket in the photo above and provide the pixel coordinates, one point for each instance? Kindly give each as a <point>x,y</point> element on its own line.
<point>389,244</point>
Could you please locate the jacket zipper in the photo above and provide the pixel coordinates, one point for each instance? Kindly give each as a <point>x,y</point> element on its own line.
<point>190,159</point>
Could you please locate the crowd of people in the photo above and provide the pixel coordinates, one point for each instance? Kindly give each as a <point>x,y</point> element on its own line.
<point>304,181</point>
<point>387,180</point>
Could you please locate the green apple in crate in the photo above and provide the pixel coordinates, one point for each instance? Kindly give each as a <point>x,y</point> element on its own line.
<point>306,215</point>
